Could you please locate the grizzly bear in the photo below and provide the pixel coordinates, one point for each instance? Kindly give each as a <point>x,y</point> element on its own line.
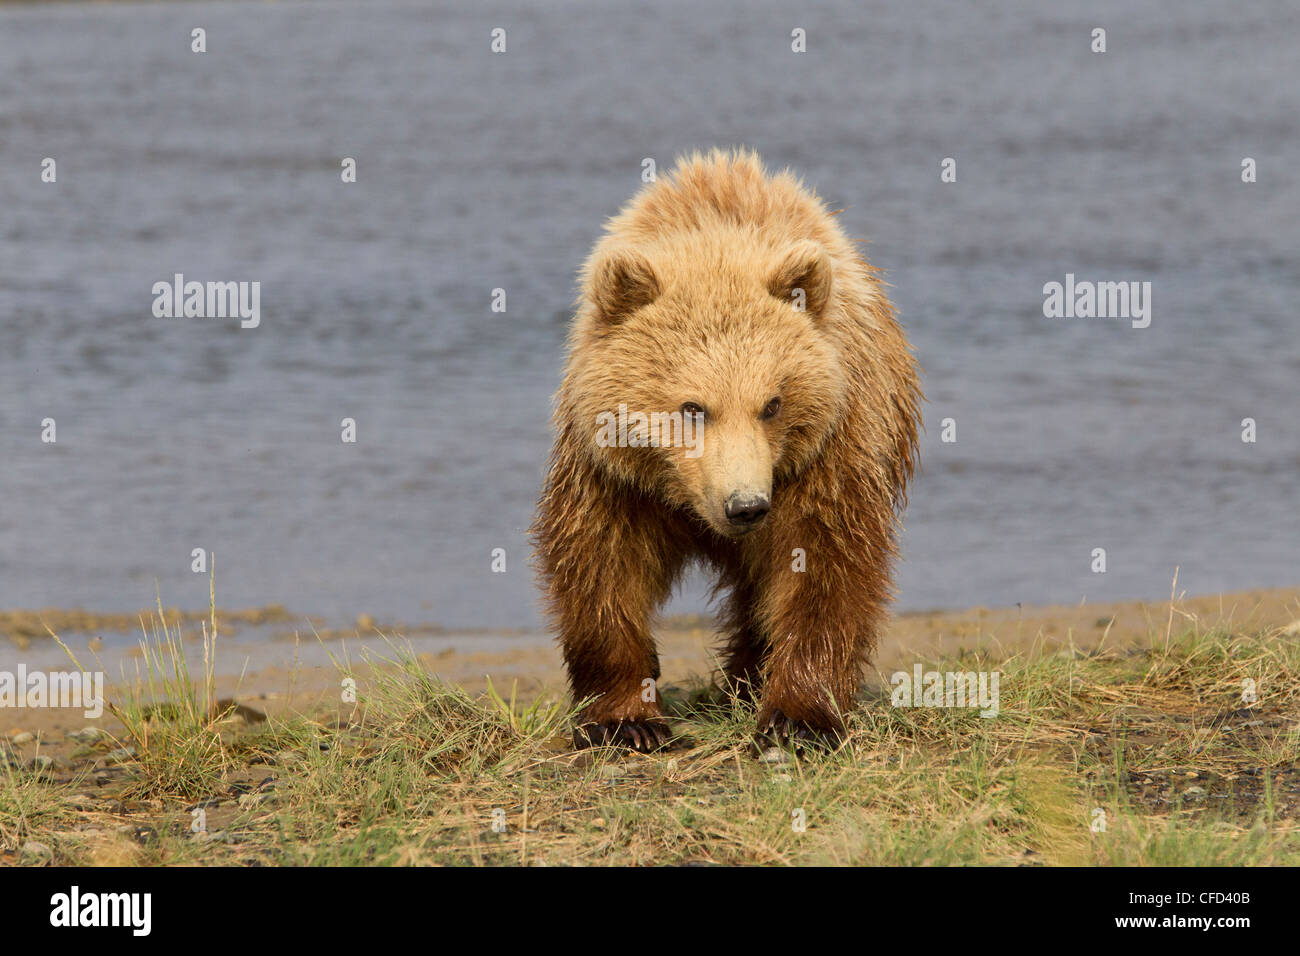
<point>728,301</point>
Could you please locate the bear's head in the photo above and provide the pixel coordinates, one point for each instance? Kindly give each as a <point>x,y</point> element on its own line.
<point>702,370</point>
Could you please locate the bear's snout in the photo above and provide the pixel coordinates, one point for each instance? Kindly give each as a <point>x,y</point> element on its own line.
<point>745,511</point>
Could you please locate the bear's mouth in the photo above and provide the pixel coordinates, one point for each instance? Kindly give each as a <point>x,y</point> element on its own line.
<point>736,532</point>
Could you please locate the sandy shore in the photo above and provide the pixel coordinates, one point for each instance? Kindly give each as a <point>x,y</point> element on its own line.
<point>278,674</point>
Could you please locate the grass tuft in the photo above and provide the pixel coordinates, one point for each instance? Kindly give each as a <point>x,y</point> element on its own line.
<point>1183,750</point>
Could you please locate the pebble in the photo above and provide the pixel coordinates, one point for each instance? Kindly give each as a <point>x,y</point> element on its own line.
<point>120,755</point>
<point>599,823</point>
<point>144,835</point>
<point>288,758</point>
<point>37,851</point>
<point>22,737</point>
<point>86,734</point>
<point>774,755</point>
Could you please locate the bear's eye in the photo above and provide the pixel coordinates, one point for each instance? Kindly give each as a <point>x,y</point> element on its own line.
<point>771,409</point>
<point>691,410</point>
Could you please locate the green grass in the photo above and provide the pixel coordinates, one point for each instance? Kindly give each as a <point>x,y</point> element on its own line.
<point>1156,740</point>
<point>172,718</point>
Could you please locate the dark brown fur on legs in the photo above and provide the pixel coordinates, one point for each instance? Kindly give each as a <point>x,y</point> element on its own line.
<point>824,620</point>
<point>745,647</point>
<point>609,563</point>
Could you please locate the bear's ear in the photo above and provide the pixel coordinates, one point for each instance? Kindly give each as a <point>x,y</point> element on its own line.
<point>622,281</point>
<point>804,278</point>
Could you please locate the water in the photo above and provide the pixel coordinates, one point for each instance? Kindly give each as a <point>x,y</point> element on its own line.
<point>479,171</point>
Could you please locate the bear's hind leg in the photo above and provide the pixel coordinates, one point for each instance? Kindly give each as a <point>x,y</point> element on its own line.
<point>745,647</point>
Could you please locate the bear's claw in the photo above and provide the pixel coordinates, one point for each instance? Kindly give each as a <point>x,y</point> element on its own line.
<point>782,731</point>
<point>641,735</point>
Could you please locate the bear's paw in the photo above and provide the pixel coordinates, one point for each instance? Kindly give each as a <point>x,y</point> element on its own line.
<point>776,729</point>
<point>640,735</point>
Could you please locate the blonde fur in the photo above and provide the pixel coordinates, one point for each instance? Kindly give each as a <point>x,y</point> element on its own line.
<point>689,297</point>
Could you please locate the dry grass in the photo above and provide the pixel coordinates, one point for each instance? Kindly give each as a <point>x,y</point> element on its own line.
<point>1156,740</point>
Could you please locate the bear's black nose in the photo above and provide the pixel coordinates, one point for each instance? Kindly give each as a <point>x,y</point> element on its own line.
<point>746,510</point>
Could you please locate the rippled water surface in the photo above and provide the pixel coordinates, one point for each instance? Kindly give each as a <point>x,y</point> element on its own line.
<point>479,171</point>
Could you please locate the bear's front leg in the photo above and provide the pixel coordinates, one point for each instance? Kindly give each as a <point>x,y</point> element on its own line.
<point>821,623</point>
<point>608,562</point>
<point>611,657</point>
<point>809,688</point>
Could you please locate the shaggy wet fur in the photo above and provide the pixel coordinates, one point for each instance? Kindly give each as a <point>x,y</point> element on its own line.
<point>691,297</point>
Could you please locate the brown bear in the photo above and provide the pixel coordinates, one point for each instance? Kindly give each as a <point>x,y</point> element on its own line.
<point>730,303</point>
